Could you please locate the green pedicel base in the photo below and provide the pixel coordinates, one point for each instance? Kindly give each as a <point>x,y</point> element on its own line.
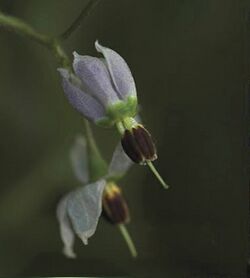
<point>118,112</point>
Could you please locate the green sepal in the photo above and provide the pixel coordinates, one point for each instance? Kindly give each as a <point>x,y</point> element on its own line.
<point>118,111</point>
<point>123,109</point>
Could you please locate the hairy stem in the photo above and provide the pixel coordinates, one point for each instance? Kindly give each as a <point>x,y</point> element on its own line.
<point>75,24</point>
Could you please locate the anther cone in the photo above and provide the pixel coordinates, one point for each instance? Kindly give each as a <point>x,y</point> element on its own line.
<point>138,145</point>
<point>115,208</point>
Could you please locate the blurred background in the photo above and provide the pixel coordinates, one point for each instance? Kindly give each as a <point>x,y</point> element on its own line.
<point>191,69</point>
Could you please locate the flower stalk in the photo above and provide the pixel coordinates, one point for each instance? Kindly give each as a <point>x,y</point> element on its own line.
<point>157,175</point>
<point>97,165</point>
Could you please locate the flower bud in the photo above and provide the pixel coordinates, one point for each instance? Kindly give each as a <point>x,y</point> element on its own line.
<point>115,207</point>
<point>138,144</point>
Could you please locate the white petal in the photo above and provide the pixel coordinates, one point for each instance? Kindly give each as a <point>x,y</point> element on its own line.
<point>66,231</point>
<point>79,159</point>
<point>120,162</point>
<point>119,71</point>
<point>84,209</point>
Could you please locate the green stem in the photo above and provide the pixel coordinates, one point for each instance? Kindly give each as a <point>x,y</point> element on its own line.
<point>22,28</point>
<point>85,12</point>
<point>128,240</point>
<point>97,165</point>
<point>156,173</point>
<point>90,137</point>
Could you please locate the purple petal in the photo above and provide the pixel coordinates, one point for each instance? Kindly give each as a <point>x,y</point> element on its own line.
<point>81,101</point>
<point>95,78</point>
<point>119,71</point>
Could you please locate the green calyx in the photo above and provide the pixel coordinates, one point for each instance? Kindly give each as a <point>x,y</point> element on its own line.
<point>118,112</point>
<point>123,109</point>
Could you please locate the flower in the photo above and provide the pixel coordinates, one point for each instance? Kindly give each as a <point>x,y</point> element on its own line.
<point>78,212</point>
<point>103,90</point>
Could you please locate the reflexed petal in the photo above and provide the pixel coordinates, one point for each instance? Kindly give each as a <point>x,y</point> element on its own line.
<point>84,209</point>
<point>66,231</point>
<point>120,162</point>
<point>95,77</point>
<point>119,71</point>
<point>79,159</point>
<point>81,101</point>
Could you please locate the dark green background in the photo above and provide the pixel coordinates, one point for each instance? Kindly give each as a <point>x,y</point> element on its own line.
<point>190,62</point>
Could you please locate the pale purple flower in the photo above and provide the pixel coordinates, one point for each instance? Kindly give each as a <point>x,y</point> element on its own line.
<point>97,85</point>
<point>78,212</point>
<point>103,90</point>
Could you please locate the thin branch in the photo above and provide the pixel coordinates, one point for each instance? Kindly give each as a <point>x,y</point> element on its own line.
<point>76,23</point>
<point>20,27</point>
<point>17,25</point>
